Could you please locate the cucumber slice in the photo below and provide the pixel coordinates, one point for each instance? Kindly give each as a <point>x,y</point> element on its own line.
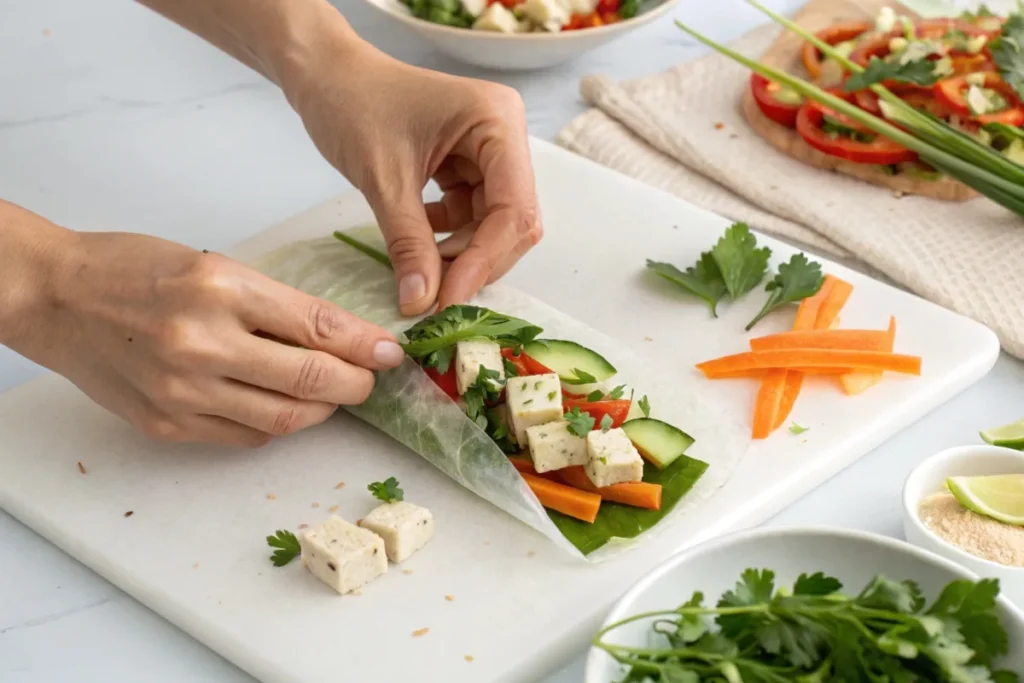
<point>564,357</point>
<point>659,442</point>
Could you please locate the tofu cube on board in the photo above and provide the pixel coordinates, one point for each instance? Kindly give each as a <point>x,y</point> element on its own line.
<point>470,355</point>
<point>554,447</point>
<point>612,458</point>
<point>342,555</point>
<point>497,18</point>
<point>404,527</point>
<point>533,400</point>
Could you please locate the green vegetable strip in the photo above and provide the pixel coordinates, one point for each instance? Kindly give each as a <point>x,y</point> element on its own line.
<point>378,256</point>
<point>930,153</point>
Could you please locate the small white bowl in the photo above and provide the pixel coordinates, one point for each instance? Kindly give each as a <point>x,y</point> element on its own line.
<point>930,477</point>
<point>517,51</point>
<point>854,557</point>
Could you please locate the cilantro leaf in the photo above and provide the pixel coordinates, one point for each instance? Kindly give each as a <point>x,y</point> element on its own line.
<point>1008,52</point>
<point>797,429</point>
<point>703,280</point>
<point>595,396</point>
<point>885,594</point>
<point>488,386</point>
<point>921,72</point>
<point>387,490</point>
<point>606,422</point>
<point>498,429</point>
<point>795,281</point>
<point>644,405</point>
<point>973,605</point>
<point>616,393</point>
<point>287,545</point>
<point>510,368</point>
<point>816,584</point>
<point>741,263</point>
<point>432,340</point>
<point>580,377</point>
<point>580,423</point>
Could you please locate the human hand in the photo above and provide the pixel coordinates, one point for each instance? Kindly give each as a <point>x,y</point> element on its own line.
<point>165,337</point>
<point>389,128</point>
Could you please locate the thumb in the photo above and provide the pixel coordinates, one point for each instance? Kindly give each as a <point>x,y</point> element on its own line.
<point>412,248</point>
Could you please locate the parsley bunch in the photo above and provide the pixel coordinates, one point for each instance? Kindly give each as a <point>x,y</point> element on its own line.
<point>432,340</point>
<point>813,633</point>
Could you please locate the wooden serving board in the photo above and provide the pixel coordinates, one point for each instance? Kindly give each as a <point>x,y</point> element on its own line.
<point>784,54</point>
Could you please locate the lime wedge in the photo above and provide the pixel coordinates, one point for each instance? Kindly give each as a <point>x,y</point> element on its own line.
<point>1009,436</point>
<point>999,496</point>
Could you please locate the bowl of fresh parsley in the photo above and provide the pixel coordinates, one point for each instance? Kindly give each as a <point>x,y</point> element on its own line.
<point>811,605</point>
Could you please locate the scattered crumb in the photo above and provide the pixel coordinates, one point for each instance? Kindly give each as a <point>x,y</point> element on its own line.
<point>271,496</point>
<point>129,513</point>
<point>530,554</point>
<point>898,195</point>
<point>47,32</point>
<point>733,136</point>
<point>195,566</point>
<point>420,632</point>
<point>773,187</point>
<point>333,508</point>
<point>803,440</point>
<point>303,526</point>
<point>719,126</point>
<point>340,485</point>
<point>407,571</point>
<point>450,598</point>
<point>487,542</point>
<point>359,522</point>
<point>648,339</point>
<point>316,505</point>
<point>81,467</point>
<point>469,658</point>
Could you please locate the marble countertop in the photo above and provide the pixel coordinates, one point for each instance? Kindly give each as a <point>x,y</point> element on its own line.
<point>111,118</point>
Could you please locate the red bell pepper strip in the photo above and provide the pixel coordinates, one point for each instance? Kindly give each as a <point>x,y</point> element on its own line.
<point>952,92</point>
<point>616,409</point>
<point>880,150</point>
<point>840,33</point>
<point>783,113</point>
<point>524,364</point>
<point>445,382</point>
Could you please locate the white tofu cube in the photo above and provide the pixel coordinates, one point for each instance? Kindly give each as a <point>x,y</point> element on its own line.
<point>546,12</point>
<point>554,447</point>
<point>533,400</point>
<point>612,458</point>
<point>497,18</point>
<point>581,7</point>
<point>469,356</point>
<point>342,555</point>
<point>404,527</point>
<point>474,7</point>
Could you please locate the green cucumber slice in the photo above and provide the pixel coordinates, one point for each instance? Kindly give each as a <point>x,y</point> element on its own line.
<point>659,442</point>
<point>564,357</point>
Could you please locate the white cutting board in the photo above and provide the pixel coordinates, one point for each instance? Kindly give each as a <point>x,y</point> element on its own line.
<point>193,548</point>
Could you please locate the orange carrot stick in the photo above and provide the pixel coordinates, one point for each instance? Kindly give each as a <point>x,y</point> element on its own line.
<point>522,463</point>
<point>769,396</point>
<point>814,358</point>
<point>854,340</point>
<point>833,303</point>
<point>761,373</point>
<point>582,505</point>
<point>807,312</point>
<point>640,494</point>
<point>856,382</point>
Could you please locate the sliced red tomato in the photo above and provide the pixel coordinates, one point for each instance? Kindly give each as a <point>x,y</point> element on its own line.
<point>608,6</point>
<point>445,382</point>
<point>783,113</point>
<point>840,33</point>
<point>616,409</point>
<point>880,151</point>
<point>525,365</point>
<point>952,93</point>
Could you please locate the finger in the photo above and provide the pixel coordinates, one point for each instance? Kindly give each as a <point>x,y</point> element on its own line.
<point>314,323</point>
<point>221,431</point>
<point>264,411</point>
<point>457,170</point>
<point>453,211</point>
<point>489,246</point>
<point>304,374</point>
<point>412,248</point>
<point>456,243</point>
<point>517,253</point>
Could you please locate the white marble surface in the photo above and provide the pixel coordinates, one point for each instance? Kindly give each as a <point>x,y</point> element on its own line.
<point>113,119</point>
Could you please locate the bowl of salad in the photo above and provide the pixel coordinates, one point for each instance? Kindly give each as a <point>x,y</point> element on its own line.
<point>518,35</point>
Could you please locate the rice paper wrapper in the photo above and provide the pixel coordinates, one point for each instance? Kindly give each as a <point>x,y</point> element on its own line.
<point>408,406</point>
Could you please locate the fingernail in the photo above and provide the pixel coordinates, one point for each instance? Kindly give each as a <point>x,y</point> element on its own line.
<point>388,353</point>
<point>411,289</point>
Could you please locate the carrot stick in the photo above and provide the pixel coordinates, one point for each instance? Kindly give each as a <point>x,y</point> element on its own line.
<point>767,405</point>
<point>581,505</point>
<point>807,313</point>
<point>854,340</point>
<point>794,383</point>
<point>833,303</point>
<point>522,463</point>
<point>813,358</point>
<point>856,382</point>
<point>639,494</point>
<point>761,373</point>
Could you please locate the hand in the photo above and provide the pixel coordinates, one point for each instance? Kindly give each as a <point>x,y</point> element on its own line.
<point>164,336</point>
<point>390,128</point>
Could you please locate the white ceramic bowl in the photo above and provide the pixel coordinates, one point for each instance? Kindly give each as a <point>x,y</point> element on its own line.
<point>517,51</point>
<point>851,556</point>
<point>930,477</point>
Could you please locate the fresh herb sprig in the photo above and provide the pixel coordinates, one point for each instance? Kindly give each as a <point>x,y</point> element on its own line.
<point>486,388</point>
<point>387,490</point>
<point>795,281</point>
<point>287,545</point>
<point>702,279</point>
<point>432,340</point>
<point>644,405</point>
<point>923,72</point>
<point>580,423</point>
<point>813,632</point>
<point>1008,52</point>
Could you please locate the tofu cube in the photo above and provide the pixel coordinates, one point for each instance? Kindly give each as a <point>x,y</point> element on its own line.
<point>474,7</point>
<point>497,18</point>
<point>404,527</point>
<point>612,458</point>
<point>470,355</point>
<point>533,400</point>
<point>554,447</point>
<point>546,12</point>
<point>342,555</point>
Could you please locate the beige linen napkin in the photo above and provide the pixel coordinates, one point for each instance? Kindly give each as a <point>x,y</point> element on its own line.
<point>682,130</point>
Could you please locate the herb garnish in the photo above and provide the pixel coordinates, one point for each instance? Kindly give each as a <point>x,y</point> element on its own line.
<point>797,429</point>
<point>580,377</point>
<point>794,282</point>
<point>606,422</point>
<point>703,279</point>
<point>580,423</point>
<point>812,632</point>
<point>923,72</point>
<point>1008,52</point>
<point>287,545</point>
<point>387,490</point>
<point>432,340</point>
<point>644,405</point>
<point>487,387</point>
<point>613,395</point>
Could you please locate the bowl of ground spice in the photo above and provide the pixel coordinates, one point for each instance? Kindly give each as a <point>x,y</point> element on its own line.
<point>935,519</point>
